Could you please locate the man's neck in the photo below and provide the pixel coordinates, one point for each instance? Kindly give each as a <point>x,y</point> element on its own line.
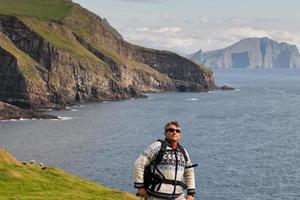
<point>173,144</point>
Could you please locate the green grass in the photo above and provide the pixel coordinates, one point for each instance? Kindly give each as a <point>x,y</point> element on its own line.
<point>37,13</point>
<point>40,9</point>
<point>86,25</point>
<point>29,182</point>
<point>58,35</point>
<point>27,66</point>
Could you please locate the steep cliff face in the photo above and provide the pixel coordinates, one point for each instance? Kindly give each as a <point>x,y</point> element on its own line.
<point>167,63</point>
<point>20,81</point>
<point>81,57</point>
<point>253,53</point>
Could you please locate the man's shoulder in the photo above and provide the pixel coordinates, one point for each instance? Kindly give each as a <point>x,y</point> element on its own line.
<point>155,144</point>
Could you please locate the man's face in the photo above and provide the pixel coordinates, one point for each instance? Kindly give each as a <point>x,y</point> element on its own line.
<point>173,133</point>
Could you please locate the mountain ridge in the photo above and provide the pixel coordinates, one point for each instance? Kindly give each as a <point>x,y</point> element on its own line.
<point>252,53</point>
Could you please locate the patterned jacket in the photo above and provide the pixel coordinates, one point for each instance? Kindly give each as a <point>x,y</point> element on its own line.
<point>173,167</point>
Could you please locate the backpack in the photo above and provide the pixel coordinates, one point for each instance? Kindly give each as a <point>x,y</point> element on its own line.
<point>151,179</point>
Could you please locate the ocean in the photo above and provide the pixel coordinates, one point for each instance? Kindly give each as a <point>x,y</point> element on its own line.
<point>246,142</point>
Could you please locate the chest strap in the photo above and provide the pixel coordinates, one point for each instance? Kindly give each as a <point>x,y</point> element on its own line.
<point>158,180</point>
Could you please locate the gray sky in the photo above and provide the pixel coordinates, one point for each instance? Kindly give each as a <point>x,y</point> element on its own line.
<point>185,26</point>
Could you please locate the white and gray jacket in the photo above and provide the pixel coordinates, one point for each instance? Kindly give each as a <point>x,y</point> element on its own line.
<point>173,166</point>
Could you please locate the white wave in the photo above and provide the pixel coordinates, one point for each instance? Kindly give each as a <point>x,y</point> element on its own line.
<point>192,99</point>
<point>22,119</point>
<point>74,110</point>
<point>64,118</point>
<point>272,111</point>
<point>8,120</point>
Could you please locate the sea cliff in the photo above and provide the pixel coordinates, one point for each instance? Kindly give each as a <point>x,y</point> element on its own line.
<point>53,60</point>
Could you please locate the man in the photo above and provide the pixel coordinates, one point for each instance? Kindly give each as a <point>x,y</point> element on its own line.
<point>170,174</point>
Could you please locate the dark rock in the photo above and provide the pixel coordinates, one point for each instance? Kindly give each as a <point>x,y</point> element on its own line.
<point>8,111</point>
<point>225,87</point>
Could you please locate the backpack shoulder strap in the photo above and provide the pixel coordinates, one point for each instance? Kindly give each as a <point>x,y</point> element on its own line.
<point>183,152</point>
<point>161,152</point>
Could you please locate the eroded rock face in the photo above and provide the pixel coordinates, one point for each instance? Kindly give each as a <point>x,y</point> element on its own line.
<point>68,77</point>
<point>15,88</point>
<point>95,64</point>
<point>252,53</point>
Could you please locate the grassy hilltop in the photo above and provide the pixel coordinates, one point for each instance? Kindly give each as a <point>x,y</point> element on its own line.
<point>40,9</point>
<point>30,182</point>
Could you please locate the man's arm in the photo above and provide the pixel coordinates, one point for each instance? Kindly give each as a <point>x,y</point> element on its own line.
<point>189,177</point>
<point>141,162</point>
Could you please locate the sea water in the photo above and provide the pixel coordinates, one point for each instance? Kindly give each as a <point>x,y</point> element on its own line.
<point>246,142</point>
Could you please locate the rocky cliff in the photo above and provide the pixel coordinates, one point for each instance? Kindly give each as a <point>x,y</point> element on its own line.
<point>252,53</point>
<point>8,111</point>
<point>48,60</point>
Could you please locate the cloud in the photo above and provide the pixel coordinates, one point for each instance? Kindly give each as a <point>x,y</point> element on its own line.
<point>168,17</point>
<point>164,38</point>
<point>181,40</point>
<point>188,35</point>
<point>168,30</point>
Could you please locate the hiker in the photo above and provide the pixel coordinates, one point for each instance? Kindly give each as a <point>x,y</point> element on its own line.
<point>165,170</point>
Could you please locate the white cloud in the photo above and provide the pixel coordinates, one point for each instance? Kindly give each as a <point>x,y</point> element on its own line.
<point>183,39</point>
<point>168,17</point>
<point>169,30</point>
<point>143,29</point>
<point>165,38</point>
<point>245,32</point>
<point>204,19</point>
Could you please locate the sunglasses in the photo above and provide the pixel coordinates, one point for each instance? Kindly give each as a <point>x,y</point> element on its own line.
<point>173,130</point>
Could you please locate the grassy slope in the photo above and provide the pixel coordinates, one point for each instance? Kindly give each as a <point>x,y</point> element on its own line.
<point>57,37</point>
<point>44,10</point>
<point>85,25</point>
<point>37,14</point>
<point>19,181</point>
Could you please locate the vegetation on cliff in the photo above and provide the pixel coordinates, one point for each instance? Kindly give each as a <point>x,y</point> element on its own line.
<point>43,10</point>
<point>19,181</point>
<point>54,52</point>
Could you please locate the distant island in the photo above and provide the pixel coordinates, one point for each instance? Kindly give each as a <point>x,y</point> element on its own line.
<point>251,53</point>
<point>55,53</point>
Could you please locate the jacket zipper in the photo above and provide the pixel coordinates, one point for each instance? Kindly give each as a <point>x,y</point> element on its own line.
<point>176,168</point>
